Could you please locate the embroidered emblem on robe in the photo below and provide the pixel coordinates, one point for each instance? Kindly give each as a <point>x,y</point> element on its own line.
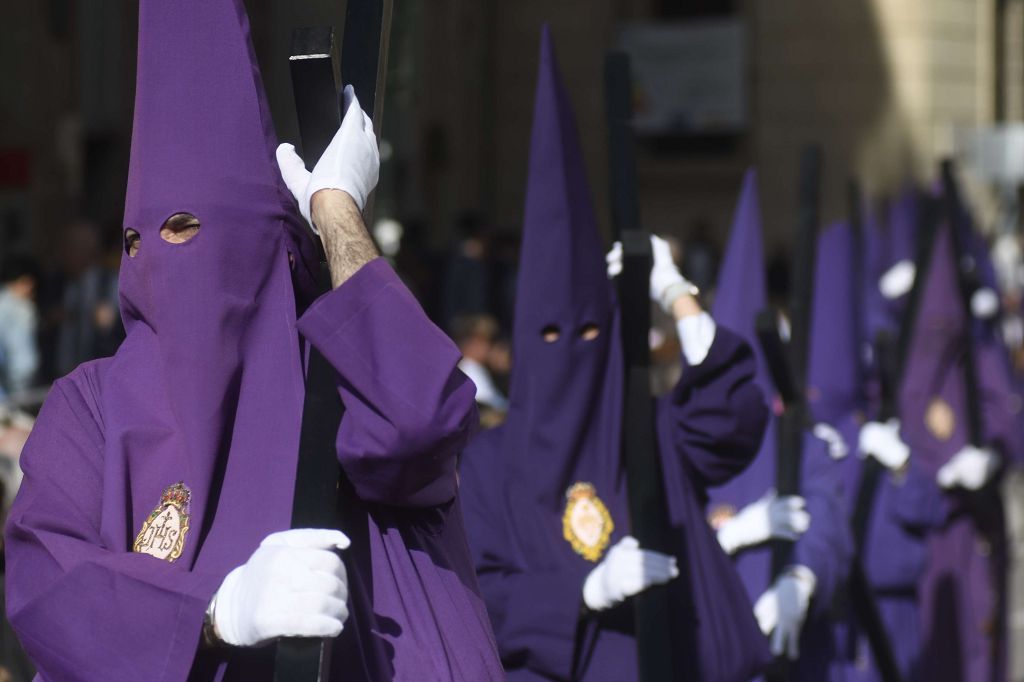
<point>163,533</point>
<point>720,513</point>
<point>940,419</point>
<point>586,523</point>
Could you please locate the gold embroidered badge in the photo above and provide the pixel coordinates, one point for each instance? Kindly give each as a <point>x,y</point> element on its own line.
<point>586,524</point>
<point>163,533</point>
<point>940,419</point>
<point>720,513</point>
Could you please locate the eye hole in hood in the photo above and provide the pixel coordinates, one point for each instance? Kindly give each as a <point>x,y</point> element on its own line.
<point>179,228</point>
<point>132,241</point>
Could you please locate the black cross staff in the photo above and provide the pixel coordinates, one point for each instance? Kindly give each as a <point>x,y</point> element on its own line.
<point>665,649</point>
<point>861,596</point>
<point>318,476</point>
<point>787,362</point>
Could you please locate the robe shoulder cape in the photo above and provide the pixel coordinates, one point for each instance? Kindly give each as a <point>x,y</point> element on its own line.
<point>709,428</point>
<point>87,607</point>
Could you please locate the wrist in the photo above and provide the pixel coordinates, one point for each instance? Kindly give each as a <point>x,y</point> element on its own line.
<point>210,635</point>
<point>671,294</point>
<point>686,304</point>
<point>327,203</point>
<point>804,576</point>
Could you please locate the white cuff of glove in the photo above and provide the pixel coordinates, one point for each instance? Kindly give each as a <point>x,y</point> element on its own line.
<point>696,334</point>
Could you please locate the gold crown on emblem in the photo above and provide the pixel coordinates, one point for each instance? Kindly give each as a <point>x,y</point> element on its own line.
<point>178,495</point>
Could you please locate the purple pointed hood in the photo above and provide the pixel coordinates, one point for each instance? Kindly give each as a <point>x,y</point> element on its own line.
<point>739,297</point>
<point>932,405</point>
<point>565,397</point>
<point>206,389</point>
<point>832,376</point>
<point>740,294</point>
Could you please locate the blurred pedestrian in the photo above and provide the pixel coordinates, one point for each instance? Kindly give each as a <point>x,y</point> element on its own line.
<point>19,354</point>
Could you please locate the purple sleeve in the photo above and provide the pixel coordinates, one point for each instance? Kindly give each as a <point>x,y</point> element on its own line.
<point>534,614</point>
<point>408,408</point>
<point>718,412</point>
<point>84,610</point>
<point>827,546</point>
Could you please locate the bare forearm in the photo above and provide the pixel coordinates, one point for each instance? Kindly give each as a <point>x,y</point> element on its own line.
<point>684,306</point>
<point>346,242</point>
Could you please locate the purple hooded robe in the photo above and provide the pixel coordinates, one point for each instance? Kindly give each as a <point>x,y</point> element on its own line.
<point>207,391</point>
<point>958,599</point>
<point>826,546</point>
<point>907,505</point>
<point>563,427</point>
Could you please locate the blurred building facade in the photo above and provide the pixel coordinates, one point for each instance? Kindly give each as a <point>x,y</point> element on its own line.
<point>883,86</point>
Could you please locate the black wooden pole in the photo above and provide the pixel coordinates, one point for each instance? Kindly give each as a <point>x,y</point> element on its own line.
<point>862,597</point>
<point>661,650</point>
<point>794,420</point>
<point>314,69</point>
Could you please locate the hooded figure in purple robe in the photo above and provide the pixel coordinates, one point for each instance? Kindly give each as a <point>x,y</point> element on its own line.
<point>152,475</point>
<point>545,493</point>
<point>794,607</point>
<point>960,609</point>
<point>908,503</point>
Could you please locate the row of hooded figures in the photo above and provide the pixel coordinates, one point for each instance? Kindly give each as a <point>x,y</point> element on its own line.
<point>150,537</point>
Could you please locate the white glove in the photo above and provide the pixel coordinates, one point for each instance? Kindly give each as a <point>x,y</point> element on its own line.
<point>971,468</point>
<point>898,280</point>
<point>293,585</point>
<point>696,334</point>
<point>882,441</point>
<point>770,517</point>
<point>836,444</point>
<point>350,163</point>
<point>625,571</point>
<point>667,284</point>
<point>984,303</point>
<point>782,609</point>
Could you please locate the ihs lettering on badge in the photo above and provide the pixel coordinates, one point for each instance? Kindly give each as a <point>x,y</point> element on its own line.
<point>586,523</point>
<point>163,534</point>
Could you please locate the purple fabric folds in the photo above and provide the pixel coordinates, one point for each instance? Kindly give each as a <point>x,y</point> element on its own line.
<point>207,391</point>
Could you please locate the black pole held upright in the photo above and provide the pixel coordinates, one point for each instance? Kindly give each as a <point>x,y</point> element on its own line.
<point>315,504</point>
<point>861,596</point>
<point>660,651</point>
<point>314,71</point>
<point>787,362</point>
<point>794,419</point>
